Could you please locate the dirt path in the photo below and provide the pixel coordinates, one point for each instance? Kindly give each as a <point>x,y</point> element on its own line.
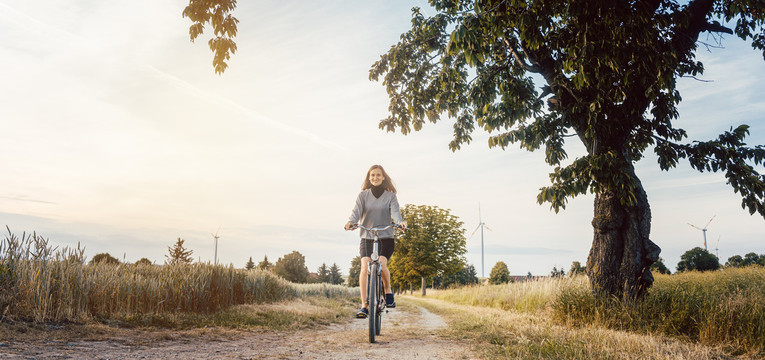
<point>406,334</point>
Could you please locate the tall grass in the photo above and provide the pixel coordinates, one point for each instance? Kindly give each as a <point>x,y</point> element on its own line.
<point>722,308</point>
<point>326,290</point>
<point>40,283</point>
<point>528,296</point>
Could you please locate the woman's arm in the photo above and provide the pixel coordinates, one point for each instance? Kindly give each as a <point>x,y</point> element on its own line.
<point>358,210</point>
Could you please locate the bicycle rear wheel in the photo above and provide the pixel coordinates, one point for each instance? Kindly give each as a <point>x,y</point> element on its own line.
<point>373,299</point>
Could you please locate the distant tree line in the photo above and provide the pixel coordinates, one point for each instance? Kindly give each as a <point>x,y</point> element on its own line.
<point>432,230</point>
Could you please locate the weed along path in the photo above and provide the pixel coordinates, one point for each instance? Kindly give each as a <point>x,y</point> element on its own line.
<point>409,332</point>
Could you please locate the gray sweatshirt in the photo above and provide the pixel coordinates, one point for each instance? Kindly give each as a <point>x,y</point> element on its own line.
<point>372,211</point>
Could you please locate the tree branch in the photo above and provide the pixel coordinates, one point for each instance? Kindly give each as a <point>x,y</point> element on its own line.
<point>519,59</point>
<point>696,13</point>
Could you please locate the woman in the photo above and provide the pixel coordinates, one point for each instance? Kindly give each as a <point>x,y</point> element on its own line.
<point>376,205</point>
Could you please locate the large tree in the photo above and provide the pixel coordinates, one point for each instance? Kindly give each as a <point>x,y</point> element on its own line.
<point>433,244</point>
<point>603,72</point>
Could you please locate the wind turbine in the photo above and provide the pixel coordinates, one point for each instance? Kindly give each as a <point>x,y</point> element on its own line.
<point>717,247</point>
<point>481,225</point>
<point>704,230</point>
<point>216,243</point>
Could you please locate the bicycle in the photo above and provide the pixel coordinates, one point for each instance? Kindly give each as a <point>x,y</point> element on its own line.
<point>375,289</point>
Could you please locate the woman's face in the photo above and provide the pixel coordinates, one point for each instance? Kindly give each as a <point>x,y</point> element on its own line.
<point>376,177</point>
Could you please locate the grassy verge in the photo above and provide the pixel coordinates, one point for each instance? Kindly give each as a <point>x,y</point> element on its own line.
<point>722,308</point>
<point>502,334</point>
<point>530,296</point>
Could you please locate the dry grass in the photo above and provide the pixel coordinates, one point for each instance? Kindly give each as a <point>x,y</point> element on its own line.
<point>503,334</point>
<point>722,308</point>
<point>42,284</point>
<point>529,296</point>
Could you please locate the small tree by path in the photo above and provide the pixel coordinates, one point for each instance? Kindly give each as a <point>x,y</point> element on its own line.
<point>250,264</point>
<point>433,244</point>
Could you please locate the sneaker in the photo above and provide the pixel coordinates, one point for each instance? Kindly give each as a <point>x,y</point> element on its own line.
<point>389,302</point>
<point>362,314</point>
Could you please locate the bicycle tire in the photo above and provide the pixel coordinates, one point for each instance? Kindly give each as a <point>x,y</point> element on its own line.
<point>373,298</point>
<point>380,297</point>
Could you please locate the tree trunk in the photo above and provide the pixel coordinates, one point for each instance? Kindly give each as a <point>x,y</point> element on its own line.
<point>621,253</point>
<point>411,288</point>
<point>423,286</point>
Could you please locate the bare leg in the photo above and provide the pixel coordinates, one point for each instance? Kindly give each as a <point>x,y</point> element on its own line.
<point>363,280</point>
<point>385,275</point>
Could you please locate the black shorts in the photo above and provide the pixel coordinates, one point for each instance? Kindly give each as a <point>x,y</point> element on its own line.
<point>386,247</point>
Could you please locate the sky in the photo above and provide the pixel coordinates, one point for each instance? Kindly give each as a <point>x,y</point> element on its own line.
<point>117,135</point>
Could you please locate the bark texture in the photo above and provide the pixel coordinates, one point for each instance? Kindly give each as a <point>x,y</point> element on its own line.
<point>621,253</point>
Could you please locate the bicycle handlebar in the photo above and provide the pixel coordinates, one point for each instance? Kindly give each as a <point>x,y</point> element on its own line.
<point>376,229</point>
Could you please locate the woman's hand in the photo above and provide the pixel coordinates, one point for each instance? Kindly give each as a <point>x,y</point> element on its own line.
<point>348,226</point>
<point>403,225</point>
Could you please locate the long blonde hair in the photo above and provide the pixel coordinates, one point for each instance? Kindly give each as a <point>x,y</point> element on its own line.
<point>387,184</point>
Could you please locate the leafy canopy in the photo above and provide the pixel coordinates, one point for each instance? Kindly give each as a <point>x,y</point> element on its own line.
<point>698,259</point>
<point>500,274</point>
<point>536,72</point>
<point>292,268</point>
<point>433,244</point>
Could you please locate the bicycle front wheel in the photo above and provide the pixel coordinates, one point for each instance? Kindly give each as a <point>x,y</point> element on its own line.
<point>373,299</point>
<point>380,299</point>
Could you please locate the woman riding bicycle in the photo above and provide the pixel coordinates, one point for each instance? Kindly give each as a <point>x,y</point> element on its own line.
<point>376,205</point>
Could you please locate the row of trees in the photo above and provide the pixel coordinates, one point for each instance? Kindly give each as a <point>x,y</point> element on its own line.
<point>702,260</point>
<point>291,267</point>
<point>177,254</point>
<point>432,249</point>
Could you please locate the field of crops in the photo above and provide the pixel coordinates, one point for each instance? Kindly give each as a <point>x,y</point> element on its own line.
<point>41,283</point>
